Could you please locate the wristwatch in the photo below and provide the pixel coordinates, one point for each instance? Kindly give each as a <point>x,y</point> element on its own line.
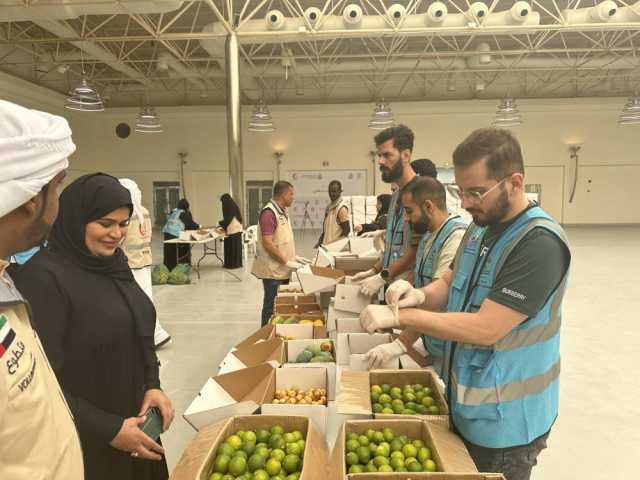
<point>385,275</point>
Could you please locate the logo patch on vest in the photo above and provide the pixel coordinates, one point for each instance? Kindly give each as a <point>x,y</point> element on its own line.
<point>514,294</point>
<point>7,335</point>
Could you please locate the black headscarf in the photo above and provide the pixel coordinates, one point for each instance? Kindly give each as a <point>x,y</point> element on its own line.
<point>85,200</point>
<point>385,201</point>
<point>230,209</point>
<point>183,204</point>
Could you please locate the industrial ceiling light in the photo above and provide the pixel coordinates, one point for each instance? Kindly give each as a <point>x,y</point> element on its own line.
<point>382,117</point>
<point>261,120</point>
<point>148,121</point>
<point>84,98</point>
<point>631,112</point>
<point>507,114</point>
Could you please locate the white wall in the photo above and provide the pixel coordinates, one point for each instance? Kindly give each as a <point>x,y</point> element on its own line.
<point>337,134</point>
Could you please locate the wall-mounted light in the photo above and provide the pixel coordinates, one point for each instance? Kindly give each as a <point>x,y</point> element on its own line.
<point>278,155</point>
<point>573,155</point>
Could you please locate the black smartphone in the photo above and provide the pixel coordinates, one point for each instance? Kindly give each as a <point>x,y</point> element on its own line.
<point>152,425</point>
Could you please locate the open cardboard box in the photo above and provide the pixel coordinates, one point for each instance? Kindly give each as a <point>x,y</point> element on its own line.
<point>296,299</point>
<point>294,347</point>
<point>447,449</point>
<point>349,325</point>
<point>291,288</point>
<point>355,264</point>
<point>236,393</point>
<point>354,394</point>
<point>349,299</point>
<point>269,332</point>
<point>196,462</point>
<point>333,315</point>
<point>270,351</point>
<point>319,279</point>
<point>304,378</point>
<point>340,245</point>
<point>353,346</point>
<point>360,245</point>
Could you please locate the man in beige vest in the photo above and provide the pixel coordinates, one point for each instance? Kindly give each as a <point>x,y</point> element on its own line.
<point>276,250</point>
<point>336,217</point>
<point>137,247</point>
<point>38,439</point>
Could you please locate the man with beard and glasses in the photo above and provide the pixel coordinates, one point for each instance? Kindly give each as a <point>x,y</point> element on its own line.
<point>503,301</point>
<point>425,206</point>
<point>336,217</point>
<point>395,146</point>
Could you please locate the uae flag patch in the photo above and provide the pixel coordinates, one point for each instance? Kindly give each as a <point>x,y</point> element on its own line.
<point>7,335</point>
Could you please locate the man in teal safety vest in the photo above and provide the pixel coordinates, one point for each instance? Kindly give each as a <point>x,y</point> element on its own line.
<point>395,147</point>
<point>503,298</point>
<point>425,206</point>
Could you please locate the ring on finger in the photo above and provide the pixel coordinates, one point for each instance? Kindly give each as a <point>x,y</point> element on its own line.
<point>135,454</point>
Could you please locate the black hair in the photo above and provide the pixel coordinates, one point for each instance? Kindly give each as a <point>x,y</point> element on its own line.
<point>401,134</point>
<point>427,188</point>
<point>385,201</point>
<point>280,187</point>
<point>425,168</point>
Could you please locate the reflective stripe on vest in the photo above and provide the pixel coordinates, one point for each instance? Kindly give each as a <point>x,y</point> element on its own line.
<point>174,225</point>
<point>398,235</point>
<point>423,275</point>
<point>506,394</point>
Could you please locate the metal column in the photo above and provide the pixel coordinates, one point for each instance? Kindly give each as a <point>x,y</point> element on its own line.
<point>234,137</point>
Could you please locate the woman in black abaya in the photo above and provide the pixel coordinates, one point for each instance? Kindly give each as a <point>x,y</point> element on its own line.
<point>97,328</point>
<point>232,224</point>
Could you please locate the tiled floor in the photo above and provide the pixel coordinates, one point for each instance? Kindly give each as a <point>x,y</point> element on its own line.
<point>597,434</point>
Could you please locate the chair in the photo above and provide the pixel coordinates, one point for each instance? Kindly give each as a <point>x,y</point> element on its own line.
<point>249,241</point>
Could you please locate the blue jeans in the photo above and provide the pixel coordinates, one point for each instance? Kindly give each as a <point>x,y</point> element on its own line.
<point>270,291</point>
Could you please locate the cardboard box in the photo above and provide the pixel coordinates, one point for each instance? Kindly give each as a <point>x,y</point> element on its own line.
<point>269,332</point>
<point>349,299</point>
<point>340,245</point>
<point>353,346</point>
<point>448,450</point>
<point>294,347</point>
<point>318,279</point>
<point>323,258</point>
<point>197,459</point>
<point>358,245</point>
<point>296,299</point>
<point>349,325</point>
<point>260,335</point>
<point>354,393</point>
<point>333,315</point>
<point>290,288</point>
<point>298,308</point>
<point>355,264</point>
<point>430,476</point>
<point>304,378</point>
<point>270,351</point>
<point>237,393</point>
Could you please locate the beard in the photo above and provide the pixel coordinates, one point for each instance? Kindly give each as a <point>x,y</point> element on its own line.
<point>391,174</point>
<point>494,214</point>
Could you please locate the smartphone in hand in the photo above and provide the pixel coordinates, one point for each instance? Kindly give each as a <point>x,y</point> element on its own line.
<point>152,425</point>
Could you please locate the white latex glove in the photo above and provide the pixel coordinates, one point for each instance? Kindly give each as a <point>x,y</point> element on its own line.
<point>403,294</point>
<point>303,260</point>
<point>372,285</point>
<point>379,317</point>
<point>358,277</point>
<point>384,353</point>
<point>291,265</point>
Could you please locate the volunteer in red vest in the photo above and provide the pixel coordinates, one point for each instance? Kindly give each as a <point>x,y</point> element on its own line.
<point>137,247</point>
<point>336,217</point>
<point>276,249</point>
<point>38,438</point>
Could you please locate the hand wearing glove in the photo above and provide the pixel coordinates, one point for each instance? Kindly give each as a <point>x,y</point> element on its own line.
<point>372,285</point>
<point>358,277</point>
<point>387,352</point>
<point>303,260</point>
<point>291,265</point>
<point>403,294</point>
<point>379,317</point>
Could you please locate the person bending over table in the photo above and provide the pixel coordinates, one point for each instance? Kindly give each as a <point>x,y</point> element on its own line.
<point>179,220</point>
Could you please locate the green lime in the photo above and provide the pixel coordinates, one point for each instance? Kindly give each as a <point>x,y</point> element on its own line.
<point>385,468</point>
<point>419,397</point>
<point>382,451</point>
<point>256,462</point>
<point>409,460</point>
<point>369,434</point>
<point>375,397</point>
<point>428,401</point>
<point>395,393</point>
<point>262,436</point>
<point>294,449</point>
<point>402,469</point>
<point>417,387</point>
<point>377,408</point>
<point>396,445</point>
<point>228,477</point>
<point>273,466</point>
<point>386,405</point>
<point>434,410</point>
<point>249,447</point>
<point>422,410</point>
<point>414,467</point>
<point>388,434</point>
<point>226,449</point>
<point>241,454</point>
<point>378,437</point>
<point>277,429</point>
<point>250,437</point>
<point>352,445</point>
<point>409,451</point>
<point>301,443</point>
<point>424,454</point>
<point>356,469</point>
<point>289,438</point>
<point>278,477</point>
<point>221,464</point>
<point>364,441</point>
<point>352,458</point>
<point>292,463</point>
<point>240,433</point>
<point>262,451</point>
<point>384,398</point>
<point>364,455</point>
<point>276,441</point>
<point>372,449</point>
<point>388,411</point>
<point>235,441</point>
<point>237,466</point>
<point>297,435</point>
<point>403,439</point>
<point>352,436</point>
<point>385,388</point>
<point>418,444</point>
<point>408,411</point>
<point>427,391</point>
<point>216,476</point>
<point>278,454</point>
<point>396,463</point>
<point>378,461</point>
<point>398,409</point>
<point>409,397</point>
<point>430,466</point>
<point>376,389</point>
<point>260,475</point>
<point>370,468</point>
<point>411,406</point>
<point>293,476</point>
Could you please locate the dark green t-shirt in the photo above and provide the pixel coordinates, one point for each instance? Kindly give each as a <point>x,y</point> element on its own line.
<point>531,272</point>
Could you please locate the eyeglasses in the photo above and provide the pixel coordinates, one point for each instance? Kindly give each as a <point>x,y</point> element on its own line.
<point>477,197</point>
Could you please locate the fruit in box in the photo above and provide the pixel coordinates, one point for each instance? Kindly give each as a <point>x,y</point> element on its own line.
<point>266,462</point>
<point>409,400</point>
<point>316,354</point>
<point>297,396</point>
